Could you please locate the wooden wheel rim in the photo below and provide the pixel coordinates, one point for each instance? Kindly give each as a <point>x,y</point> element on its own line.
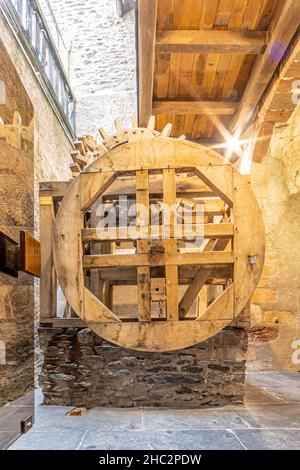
<point>152,154</point>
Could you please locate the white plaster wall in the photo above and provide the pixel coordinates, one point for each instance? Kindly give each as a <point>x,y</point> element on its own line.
<point>102,66</point>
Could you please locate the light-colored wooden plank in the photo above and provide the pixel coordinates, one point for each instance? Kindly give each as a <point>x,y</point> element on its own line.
<point>185,187</point>
<point>68,247</point>
<point>147,16</point>
<point>93,186</point>
<point>213,312</point>
<point>142,220</point>
<point>48,283</point>
<point>54,188</point>
<point>219,181</point>
<point>96,311</point>
<point>30,250</point>
<point>170,244</point>
<point>157,259</point>
<point>62,322</point>
<point>150,154</point>
<point>214,41</point>
<point>149,232</point>
<point>195,107</point>
<point>246,275</point>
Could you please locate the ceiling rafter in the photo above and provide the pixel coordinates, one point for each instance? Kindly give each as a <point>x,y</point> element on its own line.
<point>211,41</point>
<point>194,107</point>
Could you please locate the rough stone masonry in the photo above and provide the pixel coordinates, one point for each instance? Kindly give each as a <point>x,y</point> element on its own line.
<point>81,369</point>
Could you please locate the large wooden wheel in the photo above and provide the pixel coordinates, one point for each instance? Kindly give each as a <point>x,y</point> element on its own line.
<point>221,250</point>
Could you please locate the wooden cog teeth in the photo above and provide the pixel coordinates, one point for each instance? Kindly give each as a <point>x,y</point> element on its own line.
<point>104,135</point>
<point>151,123</point>
<point>182,137</point>
<point>79,146</point>
<point>134,121</point>
<point>17,120</point>
<point>118,126</point>
<point>166,132</point>
<point>88,148</point>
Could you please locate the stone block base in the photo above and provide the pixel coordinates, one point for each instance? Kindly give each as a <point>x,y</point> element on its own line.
<point>81,369</point>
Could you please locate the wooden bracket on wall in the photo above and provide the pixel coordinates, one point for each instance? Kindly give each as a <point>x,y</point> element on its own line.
<point>23,256</point>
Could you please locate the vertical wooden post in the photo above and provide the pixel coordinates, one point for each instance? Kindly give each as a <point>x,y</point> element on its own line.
<point>170,244</point>
<point>202,301</point>
<point>48,282</point>
<point>95,282</point>
<point>147,15</point>
<point>142,220</point>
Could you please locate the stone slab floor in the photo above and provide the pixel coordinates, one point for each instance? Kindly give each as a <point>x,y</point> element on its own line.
<point>270,419</point>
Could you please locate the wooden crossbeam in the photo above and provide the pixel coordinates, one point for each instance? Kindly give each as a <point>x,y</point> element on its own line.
<point>186,194</point>
<point>185,187</point>
<point>284,25</point>
<point>194,107</point>
<point>154,232</point>
<point>186,274</point>
<point>158,259</point>
<point>147,14</point>
<point>53,188</point>
<point>211,41</point>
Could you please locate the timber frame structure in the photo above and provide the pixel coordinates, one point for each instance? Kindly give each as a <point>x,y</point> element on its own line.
<point>220,69</point>
<point>171,274</point>
<point>215,72</point>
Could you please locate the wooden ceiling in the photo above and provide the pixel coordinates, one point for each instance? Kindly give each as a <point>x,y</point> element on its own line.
<point>204,65</point>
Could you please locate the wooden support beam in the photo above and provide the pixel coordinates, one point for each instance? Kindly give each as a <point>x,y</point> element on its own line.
<point>147,14</point>
<point>262,141</point>
<point>278,103</point>
<point>54,188</point>
<point>30,254</point>
<point>284,25</point>
<point>187,273</point>
<point>170,245</point>
<point>157,259</point>
<point>152,232</point>
<point>211,41</point>
<point>62,322</point>
<point>143,272</point>
<point>48,282</point>
<point>194,107</point>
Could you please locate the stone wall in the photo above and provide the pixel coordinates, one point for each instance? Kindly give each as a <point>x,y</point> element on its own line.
<point>275,311</point>
<point>81,369</point>
<point>102,61</point>
<point>50,161</point>
<point>52,146</point>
